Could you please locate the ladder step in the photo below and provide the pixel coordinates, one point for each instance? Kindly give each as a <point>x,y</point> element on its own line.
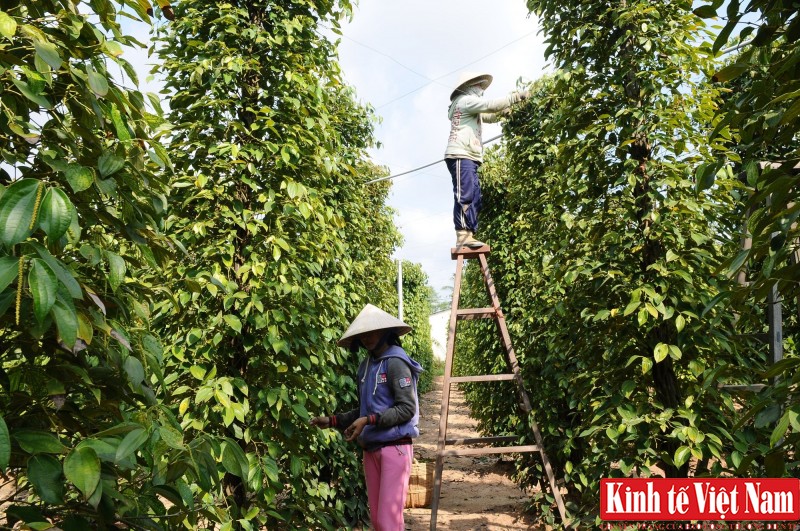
<point>466,252</point>
<point>493,450</point>
<point>475,313</point>
<point>482,378</point>
<point>483,440</point>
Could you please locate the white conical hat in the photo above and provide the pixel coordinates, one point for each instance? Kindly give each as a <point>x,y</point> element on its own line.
<point>467,79</point>
<point>372,318</point>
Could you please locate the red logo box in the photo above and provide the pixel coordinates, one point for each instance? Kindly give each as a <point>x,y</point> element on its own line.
<point>740,499</point>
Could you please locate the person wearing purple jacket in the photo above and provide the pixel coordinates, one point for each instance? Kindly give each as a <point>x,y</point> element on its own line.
<point>387,418</point>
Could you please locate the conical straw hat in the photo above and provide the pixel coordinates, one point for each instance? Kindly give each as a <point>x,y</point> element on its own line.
<point>372,318</point>
<point>467,79</point>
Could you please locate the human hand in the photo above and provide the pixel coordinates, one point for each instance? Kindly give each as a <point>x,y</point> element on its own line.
<point>354,430</point>
<point>321,422</point>
<point>524,95</point>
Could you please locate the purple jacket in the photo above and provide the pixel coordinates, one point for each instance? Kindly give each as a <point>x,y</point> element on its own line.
<point>387,393</point>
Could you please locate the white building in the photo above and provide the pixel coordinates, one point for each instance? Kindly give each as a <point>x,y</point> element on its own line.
<point>440,321</point>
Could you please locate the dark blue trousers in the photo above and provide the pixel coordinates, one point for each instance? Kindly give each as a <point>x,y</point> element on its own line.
<point>466,193</point>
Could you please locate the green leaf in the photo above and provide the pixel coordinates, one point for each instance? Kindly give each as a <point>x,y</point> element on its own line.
<point>66,319</point>
<point>680,323</point>
<point>704,176</point>
<point>628,387</point>
<point>79,177</point>
<point>631,307</point>
<point>9,269</point>
<point>44,287</point>
<point>682,455</point>
<point>197,371</point>
<point>55,213</point>
<point>780,430</point>
<point>233,322</point>
<point>660,352</point>
<point>705,12</point>
<point>44,473</point>
<point>16,211</point>
<point>64,275</point>
<point>8,26</point>
<point>5,445</point>
<point>794,420</point>
<point>768,416</point>
<point>230,460</point>
<point>172,437</point>
<point>152,345</point>
<point>26,91</point>
<point>97,82</point>
<point>132,441</point>
<point>725,33</point>
<point>296,466</point>
<point>48,52</point>
<point>647,364</point>
<point>105,449</point>
<point>730,72</point>
<point>119,125</point>
<point>737,262</point>
<point>791,113</point>
<point>109,164</point>
<point>675,352</point>
<point>301,411</point>
<point>35,442</point>
<point>116,270</point>
<point>134,370</point>
<point>719,297</point>
<point>271,468</point>
<point>82,468</point>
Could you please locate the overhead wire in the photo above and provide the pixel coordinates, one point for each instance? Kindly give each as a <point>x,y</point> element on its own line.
<point>436,79</point>
<point>722,52</point>
<point>425,166</point>
<point>386,55</point>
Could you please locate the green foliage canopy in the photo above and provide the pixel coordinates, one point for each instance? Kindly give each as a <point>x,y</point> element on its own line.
<point>606,253</point>
<point>82,198</point>
<point>282,245</point>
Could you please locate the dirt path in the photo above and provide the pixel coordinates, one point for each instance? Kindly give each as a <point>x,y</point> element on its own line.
<point>477,493</point>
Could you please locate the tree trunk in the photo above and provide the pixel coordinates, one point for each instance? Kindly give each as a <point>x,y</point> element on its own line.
<point>665,381</point>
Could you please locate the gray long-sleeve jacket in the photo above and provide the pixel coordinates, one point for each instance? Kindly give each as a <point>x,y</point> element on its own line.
<point>467,113</point>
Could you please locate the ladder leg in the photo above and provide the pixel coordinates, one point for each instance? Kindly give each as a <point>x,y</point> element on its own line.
<point>551,477</point>
<point>437,490</point>
<point>448,371</point>
<point>523,395</point>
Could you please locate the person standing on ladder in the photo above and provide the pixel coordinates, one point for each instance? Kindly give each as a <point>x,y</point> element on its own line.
<point>387,417</point>
<point>468,110</point>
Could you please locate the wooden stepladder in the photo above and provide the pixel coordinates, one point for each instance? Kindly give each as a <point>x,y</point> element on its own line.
<point>496,313</point>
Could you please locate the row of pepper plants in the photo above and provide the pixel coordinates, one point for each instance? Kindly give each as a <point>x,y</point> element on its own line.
<point>175,268</point>
<point>616,210</point>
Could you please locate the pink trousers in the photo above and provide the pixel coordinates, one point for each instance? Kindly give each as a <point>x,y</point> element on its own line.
<point>387,471</point>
